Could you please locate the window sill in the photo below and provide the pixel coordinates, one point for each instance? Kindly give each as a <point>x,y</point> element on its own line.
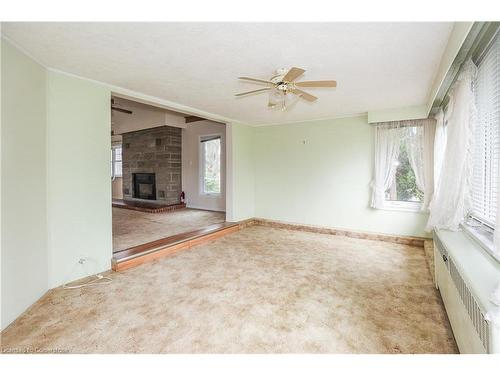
<point>403,206</point>
<point>215,195</point>
<point>483,238</point>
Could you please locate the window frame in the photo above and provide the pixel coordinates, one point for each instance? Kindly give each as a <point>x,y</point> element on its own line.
<point>114,161</point>
<point>405,206</point>
<point>201,153</point>
<point>408,206</point>
<point>483,234</point>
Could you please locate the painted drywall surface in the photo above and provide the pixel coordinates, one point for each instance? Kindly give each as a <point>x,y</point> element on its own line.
<point>79,189</point>
<point>457,37</point>
<point>241,172</point>
<point>24,186</point>
<point>319,173</point>
<point>191,168</point>
<point>142,117</point>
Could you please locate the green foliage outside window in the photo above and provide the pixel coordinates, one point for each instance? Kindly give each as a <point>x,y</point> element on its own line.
<point>406,185</point>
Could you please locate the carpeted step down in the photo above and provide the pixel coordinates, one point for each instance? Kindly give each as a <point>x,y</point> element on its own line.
<point>140,254</point>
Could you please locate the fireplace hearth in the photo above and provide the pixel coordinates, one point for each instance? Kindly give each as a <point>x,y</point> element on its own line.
<point>144,186</point>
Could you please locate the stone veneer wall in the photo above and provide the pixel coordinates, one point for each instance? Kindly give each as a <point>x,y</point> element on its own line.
<point>156,150</point>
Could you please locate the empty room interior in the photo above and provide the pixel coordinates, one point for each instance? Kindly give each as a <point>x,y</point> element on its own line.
<point>168,176</point>
<point>166,189</point>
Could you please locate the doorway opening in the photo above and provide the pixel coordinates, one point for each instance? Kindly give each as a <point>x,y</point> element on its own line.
<point>168,175</point>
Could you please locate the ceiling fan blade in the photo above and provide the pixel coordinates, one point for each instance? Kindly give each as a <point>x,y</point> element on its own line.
<point>253,92</point>
<point>316,84</point>
<point>305,95</point>
<point>293,74</point>
<point>256,80</point>
<point>122,110</point>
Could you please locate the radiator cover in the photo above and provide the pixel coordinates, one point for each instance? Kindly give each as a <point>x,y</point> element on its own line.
<point>472,331</point>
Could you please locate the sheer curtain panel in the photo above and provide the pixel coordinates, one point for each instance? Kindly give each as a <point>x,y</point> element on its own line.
<point>452,200</point>
<point>387,139</point>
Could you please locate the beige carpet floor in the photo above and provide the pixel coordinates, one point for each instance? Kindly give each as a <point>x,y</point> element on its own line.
<point>259,290</point>
<point>131,228</point>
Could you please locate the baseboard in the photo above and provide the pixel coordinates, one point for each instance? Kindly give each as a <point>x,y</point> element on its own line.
<point>404,240</point>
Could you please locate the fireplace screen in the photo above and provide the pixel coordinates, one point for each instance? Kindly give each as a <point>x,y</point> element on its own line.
<point>144,186</point>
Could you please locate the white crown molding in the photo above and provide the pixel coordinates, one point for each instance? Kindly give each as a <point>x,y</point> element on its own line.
<point>184,109</point>
<point>128,93</point>
<point>153,100</point>
<point>149,99</point>
<point>23,51</point>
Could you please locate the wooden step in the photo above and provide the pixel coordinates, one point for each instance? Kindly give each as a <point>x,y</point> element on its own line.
<point>147,252</point>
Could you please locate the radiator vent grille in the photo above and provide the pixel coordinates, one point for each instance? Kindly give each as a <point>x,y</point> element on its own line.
<point>476,316</point>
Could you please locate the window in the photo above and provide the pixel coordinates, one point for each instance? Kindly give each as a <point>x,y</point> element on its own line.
<point>404,188</point>
<point>485,174</point>
<point>116,161</point>
<point>404,192</point>
<point>486,138</point>
<point>210,149</point>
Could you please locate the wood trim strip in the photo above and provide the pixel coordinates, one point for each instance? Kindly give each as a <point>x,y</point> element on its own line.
<point>169,241</point>
<point>404,240</point>
<point>165,248</point>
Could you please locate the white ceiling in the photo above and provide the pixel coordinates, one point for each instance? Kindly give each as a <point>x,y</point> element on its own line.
<point>377,65</point>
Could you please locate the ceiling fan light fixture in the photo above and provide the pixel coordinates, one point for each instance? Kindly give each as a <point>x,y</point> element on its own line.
<point>282,85</point>
<point>275,98</point>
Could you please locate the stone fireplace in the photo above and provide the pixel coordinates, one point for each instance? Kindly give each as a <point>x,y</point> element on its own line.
<point>152,164</point>
<point>144,186</point>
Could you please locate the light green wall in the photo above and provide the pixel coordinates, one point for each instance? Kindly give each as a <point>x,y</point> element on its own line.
<point>24,190</point>
<point>79,186</point>
<point>56,191</point>
<point>319,173</point>
<point>240,172</point>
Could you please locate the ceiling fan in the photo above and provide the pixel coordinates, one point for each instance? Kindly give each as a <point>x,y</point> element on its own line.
<point>282,84</point>
<point>123,110</point>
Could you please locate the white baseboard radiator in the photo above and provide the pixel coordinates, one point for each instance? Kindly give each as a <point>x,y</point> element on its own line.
<point>464,300</point>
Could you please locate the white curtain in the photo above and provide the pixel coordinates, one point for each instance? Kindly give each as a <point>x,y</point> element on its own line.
<point>421,156</point>
<point>387,140</point>
<point>439,145</point>
<point>452,200</point>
